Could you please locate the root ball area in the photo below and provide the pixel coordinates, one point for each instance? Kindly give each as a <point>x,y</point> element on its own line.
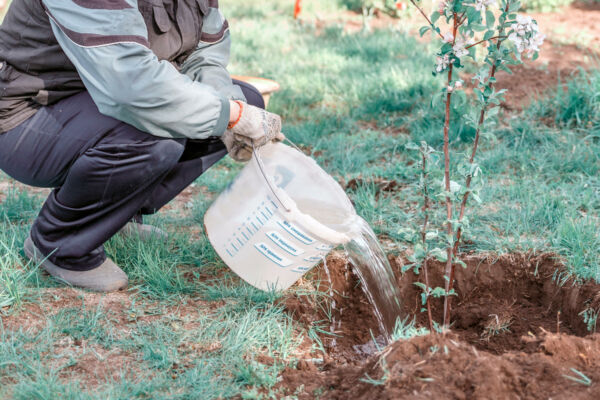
<point>521,329</point>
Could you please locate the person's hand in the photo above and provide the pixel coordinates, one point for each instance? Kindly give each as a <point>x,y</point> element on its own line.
<point>250,127</point>
<point>237,150</point>
<point>255,126</point>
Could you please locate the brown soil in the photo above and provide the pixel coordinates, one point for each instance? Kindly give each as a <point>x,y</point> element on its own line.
<point>516,334</point>
<point>351,306</point>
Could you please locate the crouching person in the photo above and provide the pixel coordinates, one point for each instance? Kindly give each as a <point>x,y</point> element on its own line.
<point>118,105</point>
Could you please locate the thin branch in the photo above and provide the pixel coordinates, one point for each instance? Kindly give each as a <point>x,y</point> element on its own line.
<point>465,198</point>
<point>427,18</point>
<point>424,237</point>
<point>481,41</point>
<point>448,270</point>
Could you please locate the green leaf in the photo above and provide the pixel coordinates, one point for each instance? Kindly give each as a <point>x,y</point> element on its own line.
<point>504,68</point>
<point>488,35</point>
<point>435,16</point>
<point>407,267</point>
<point>438,292</point>
<point>424,30</point>
<point>439,254</point>
<point>419,251</point>
<point>489,18</point>
<point>473,15</point>
<point>411,146</point>
<point>446,48</point>
<point>478,27</point>
<point>431,235</point>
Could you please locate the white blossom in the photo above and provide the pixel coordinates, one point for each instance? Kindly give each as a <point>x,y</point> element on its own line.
<point>526,35</point>
<point>450,89</point>
<point>442,63</point>
<point>484,4</point>
<point>458,85</point>
<point>448,37</point>
<point>459,47</point>
<point>442,5</point>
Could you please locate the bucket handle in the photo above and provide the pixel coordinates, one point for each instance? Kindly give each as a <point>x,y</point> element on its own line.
<point>293,145</point>
<point>270,183</point>
<point>261,167</point>
<point>326,233</point>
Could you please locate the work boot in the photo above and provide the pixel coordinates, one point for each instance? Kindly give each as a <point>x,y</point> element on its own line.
<point>136,228</point>
<point>108,277</point>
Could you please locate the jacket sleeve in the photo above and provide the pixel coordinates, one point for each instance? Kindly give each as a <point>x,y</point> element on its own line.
<point>208,63</point>
<point>107,42</point>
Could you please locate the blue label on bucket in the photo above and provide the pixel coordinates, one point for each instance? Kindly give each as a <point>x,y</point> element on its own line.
<point>296,232</point>
<point>324,247</point>
<point>284,244</point>
<point>314,259</point>
<point>301,270</point>
<point>273,256</point>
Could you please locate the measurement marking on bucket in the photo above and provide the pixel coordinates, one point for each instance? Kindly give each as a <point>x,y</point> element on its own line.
<point>241,243</point>
<point>245,236</point>
<point>313,259</point>
<point>323,247</point>
<point>254,226</point>
<point>300,270</point>
<point>264,215</point>
<point>296,232</point>
<point>273,256</point>
<point>228,252</point>
<point>284,244</point>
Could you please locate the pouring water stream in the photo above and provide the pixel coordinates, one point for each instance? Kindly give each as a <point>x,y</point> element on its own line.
<point>369,262</point>
<point>375,273</point>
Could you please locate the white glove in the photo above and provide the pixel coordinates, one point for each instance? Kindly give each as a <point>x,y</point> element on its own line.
<point>237,150</point>
<point>255,127</point>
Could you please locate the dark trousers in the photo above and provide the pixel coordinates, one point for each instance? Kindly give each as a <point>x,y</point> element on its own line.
<point>103,171</point>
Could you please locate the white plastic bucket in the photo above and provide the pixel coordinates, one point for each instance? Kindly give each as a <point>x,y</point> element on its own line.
<point>278,218</point>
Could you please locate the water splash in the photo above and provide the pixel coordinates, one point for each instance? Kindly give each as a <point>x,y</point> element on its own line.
<point>333,304</point>
<point>376,275</point>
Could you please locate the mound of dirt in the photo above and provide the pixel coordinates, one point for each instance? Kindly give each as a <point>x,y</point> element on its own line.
<point>436,367</point>
<point>503,299</point>
<point>516,333</point>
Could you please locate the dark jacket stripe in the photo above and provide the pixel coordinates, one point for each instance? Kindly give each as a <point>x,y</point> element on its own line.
<point>93,39</point>
<point>103,4</point>
<point>213,3</point>
<point>215,37</point>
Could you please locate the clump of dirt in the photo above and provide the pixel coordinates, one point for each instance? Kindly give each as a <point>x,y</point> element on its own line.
<point>438,367</point>
<point>516,334</point>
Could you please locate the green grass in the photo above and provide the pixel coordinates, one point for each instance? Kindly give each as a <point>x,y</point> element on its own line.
<point>192,329</point>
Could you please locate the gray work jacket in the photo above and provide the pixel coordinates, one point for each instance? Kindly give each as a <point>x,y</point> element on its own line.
<point>159,65</point>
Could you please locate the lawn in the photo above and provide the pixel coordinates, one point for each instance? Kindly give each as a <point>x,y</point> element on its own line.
<point>188,328</point>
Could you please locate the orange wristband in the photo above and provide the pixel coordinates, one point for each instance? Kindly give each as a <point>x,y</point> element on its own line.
<point>234,123</point>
